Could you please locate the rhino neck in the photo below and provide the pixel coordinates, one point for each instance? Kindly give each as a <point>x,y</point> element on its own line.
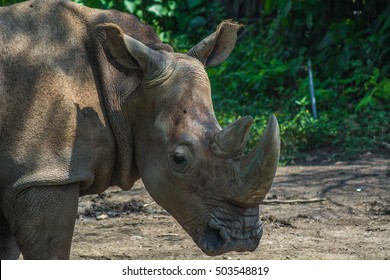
<point>117,88</point>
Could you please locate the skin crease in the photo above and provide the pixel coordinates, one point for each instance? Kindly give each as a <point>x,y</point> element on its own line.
<point>91,99</point>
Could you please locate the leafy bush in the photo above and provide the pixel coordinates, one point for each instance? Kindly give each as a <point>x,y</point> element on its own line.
<point>177,22</point>
<point>350,54</point>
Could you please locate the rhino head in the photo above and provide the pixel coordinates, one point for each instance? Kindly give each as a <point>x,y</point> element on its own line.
<point>189,165</point>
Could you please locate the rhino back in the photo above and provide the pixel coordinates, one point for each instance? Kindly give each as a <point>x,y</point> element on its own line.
<point>54,128</point>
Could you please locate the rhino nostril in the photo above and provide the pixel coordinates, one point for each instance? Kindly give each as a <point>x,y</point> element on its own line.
<point>215,240</point>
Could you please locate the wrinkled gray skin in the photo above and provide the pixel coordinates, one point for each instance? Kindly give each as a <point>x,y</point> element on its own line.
<point>91,99</point>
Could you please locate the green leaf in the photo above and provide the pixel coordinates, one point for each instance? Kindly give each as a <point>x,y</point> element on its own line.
<point>286,9</point>
<point>157,9</point>
<point>193,3</point>
<point>268,6</point>
<point>326,42</point>
<point>309,20</point>
<point>386,25</point>
<point>382,89</point>
<point>366,101</point>
<point>132,6</point>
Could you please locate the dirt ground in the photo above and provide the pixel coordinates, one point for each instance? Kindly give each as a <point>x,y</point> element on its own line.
<point>352,221</point>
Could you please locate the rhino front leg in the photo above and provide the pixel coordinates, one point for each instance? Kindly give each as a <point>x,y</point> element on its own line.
<point>9,250</point>
<point>42,220</point>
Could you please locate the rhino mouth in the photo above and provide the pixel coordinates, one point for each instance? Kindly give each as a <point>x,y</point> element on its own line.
<point>218,238</point>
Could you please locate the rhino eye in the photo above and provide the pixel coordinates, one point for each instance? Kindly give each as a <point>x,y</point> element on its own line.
<point>179,159</point>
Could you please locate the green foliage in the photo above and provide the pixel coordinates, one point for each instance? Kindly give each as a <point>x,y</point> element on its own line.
<point>349,46</point>
<point>349,40</point>
<point>180,23</point>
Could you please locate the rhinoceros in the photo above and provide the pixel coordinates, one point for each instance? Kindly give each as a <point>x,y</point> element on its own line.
<point>92,98</point>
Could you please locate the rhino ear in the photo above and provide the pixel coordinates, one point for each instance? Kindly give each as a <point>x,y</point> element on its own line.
<point>128,51</point>
<point>214,49</point>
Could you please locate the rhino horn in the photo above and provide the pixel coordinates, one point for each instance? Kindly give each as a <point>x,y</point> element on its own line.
<point>255,172</point>
<point>231,141</point>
